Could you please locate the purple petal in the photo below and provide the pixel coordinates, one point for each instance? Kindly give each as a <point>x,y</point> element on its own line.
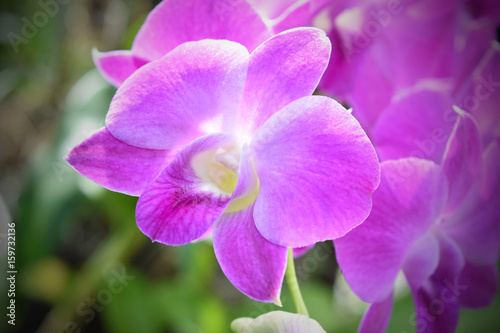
<point>192,91</point>
<point>417,125</point>
<point>422,260</point>
<point>437,303</point>
<point>353,54</point>
<point>368,103</point>
<point>253,264</point>
<point>298,15</point>
<point>317,171</point>
<point>475,225</point>
<point>180,205</point>
<point>451,260</point>
<point>346,61</point>
<point>411,195</point>
<point>480,283</point>
<point>286,67</point>
<point>482,97</point>
<point>490,178</point>
<point>300,251</point>
<point>248,181</point>
<point>377,317</point>
<point>175,22</point>
<point>462,160</point>
<point>206,235</point>
<point>116,165</point>
<point>416,43</point>
<point>473,39</point>
<point>117,66</point>
<point>338,77</point>
<point>433,315</point>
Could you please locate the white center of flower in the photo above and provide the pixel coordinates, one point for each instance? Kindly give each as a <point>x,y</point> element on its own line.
<point>224,178</point>
<point>218,168</point>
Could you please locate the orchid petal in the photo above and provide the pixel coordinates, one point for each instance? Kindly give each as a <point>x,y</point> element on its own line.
<point>180,205</point>
<point>206,235</point>
<point>368,104</point>
<point>197,93</point>
<point>117,66</point>
<point>317,171</point>
<point>248,181</point>
<point>462,159</point>
<point>436,303</point>
<point>377,317</point>
<point>482,98</point>
<point>253,264</point>
<point>480,285</point>
<point>175,22</point>
<point>419,42</point>
<point>473,39</point>
<point>479,235</point>
<point>297,15</point>
<point>300,251</point>
<point>474,227</point>
<point>410,197</point>
<point>337,79</point>
<point>417,125</point>
<point>422,260</point>
<point>286,67</point>
<point>116,165</point>
<point>241,249</point>
<point>490,178</point>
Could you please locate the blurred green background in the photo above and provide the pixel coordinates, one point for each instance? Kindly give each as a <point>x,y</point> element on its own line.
<point>82,264</point>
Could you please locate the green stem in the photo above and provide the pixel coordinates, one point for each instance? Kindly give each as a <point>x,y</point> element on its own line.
<point>293,285</point>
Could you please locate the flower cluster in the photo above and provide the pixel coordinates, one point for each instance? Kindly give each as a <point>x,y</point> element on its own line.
<point>215,129</point>
<point>423,78</point>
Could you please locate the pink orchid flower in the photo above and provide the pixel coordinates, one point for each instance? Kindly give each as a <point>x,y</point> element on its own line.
<point>438,224</point>
<point>209,135</point>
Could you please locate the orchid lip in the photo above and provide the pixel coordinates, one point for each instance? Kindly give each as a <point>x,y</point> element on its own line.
<point>225,179</point>
<point>219,169</point>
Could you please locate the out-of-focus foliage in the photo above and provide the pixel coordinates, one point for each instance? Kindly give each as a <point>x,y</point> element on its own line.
<point>83,266</point>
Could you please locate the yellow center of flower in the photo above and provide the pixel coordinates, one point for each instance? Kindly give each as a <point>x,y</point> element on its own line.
<point>243,202</point>
<point>224,178</point>
<point>218,168</point>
